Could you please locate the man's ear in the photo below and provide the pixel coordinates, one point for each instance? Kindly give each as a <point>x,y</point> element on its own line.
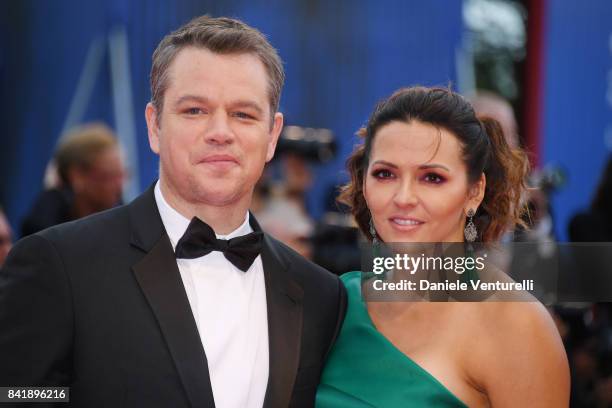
<point>152,127</point>
<point>476,193</point>
<point>277,127</point>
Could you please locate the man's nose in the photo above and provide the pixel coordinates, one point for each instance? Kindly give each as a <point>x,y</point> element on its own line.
<point>218,130</point>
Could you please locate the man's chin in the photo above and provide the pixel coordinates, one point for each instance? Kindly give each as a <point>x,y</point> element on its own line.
<point>218,170</point>
<point>217,196</point>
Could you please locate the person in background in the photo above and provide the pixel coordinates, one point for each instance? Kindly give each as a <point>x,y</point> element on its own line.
<point>539,218</point>
<point>589,329</point>
<point>282,210</point>
<point>595,225</point>
<point>489,104</point>
<point>90,175</point>
<point>6,237</point>
<point>280,200</point>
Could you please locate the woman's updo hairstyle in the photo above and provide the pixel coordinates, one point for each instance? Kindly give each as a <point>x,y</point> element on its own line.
<point>484,150</point>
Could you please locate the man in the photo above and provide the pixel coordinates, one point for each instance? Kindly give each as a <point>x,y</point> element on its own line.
<point>145,305</point>
<point>91,175</point>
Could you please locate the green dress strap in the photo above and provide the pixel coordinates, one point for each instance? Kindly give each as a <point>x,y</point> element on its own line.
<point>365,369</point>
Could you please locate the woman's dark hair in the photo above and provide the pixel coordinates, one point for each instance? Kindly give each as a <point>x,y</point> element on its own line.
<point>485,150</point>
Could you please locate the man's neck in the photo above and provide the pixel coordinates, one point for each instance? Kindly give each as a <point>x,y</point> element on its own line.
<point>222,219</point>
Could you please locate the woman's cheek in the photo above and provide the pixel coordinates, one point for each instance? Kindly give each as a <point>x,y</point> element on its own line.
<point>378,194</point>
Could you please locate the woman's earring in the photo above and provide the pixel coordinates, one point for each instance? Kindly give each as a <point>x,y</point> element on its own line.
<point>373,233</point>
<point>470,232</point>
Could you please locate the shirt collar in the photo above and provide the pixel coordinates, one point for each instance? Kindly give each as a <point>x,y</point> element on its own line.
<point>176,224</point>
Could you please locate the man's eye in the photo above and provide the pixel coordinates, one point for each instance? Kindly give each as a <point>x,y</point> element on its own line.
<point>193,111</point>
<point>382,174</point>
<point>243,115</point>
<point>433,178</point>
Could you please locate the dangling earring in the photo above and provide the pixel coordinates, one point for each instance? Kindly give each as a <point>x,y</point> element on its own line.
<point>470,232</point>
<point>373,233</point>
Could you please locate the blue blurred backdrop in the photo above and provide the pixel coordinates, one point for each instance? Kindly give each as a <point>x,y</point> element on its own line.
<point>340,58</point>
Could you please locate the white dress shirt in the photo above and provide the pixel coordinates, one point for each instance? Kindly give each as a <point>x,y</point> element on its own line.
<point>229,307</point>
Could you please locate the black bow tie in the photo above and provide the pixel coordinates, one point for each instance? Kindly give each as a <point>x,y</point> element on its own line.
<point>200,240</point>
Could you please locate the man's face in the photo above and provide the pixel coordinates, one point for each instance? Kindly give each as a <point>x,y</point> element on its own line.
<point>101,184</point>
<point>215,132</point>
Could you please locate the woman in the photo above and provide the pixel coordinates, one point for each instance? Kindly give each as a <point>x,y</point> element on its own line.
<point>430,171</point>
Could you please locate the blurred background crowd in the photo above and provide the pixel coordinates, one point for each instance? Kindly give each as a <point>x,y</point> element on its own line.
<point>74,83</point>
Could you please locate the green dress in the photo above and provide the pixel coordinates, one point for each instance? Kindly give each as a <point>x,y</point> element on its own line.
<point>364,369</point>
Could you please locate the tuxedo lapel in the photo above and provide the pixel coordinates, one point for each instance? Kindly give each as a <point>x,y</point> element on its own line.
<point>284,301</point>
<point>159,278</point>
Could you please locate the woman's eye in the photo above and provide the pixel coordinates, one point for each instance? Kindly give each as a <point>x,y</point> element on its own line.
<point>382,174</point>
<point>434,178</point>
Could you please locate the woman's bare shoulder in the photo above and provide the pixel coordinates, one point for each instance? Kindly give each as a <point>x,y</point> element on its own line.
<point>520,356</point>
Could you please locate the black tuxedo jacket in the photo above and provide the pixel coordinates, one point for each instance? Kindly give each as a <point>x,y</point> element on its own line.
<point>98,304</point>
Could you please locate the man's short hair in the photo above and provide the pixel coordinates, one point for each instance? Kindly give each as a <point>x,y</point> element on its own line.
<point>220,35</point>
<point>80,147</point>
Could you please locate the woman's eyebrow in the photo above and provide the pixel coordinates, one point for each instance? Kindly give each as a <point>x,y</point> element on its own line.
<point>433,166</point>
<point>385,163</point>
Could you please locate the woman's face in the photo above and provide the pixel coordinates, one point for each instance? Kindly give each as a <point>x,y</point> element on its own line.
<point>416,185</point>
